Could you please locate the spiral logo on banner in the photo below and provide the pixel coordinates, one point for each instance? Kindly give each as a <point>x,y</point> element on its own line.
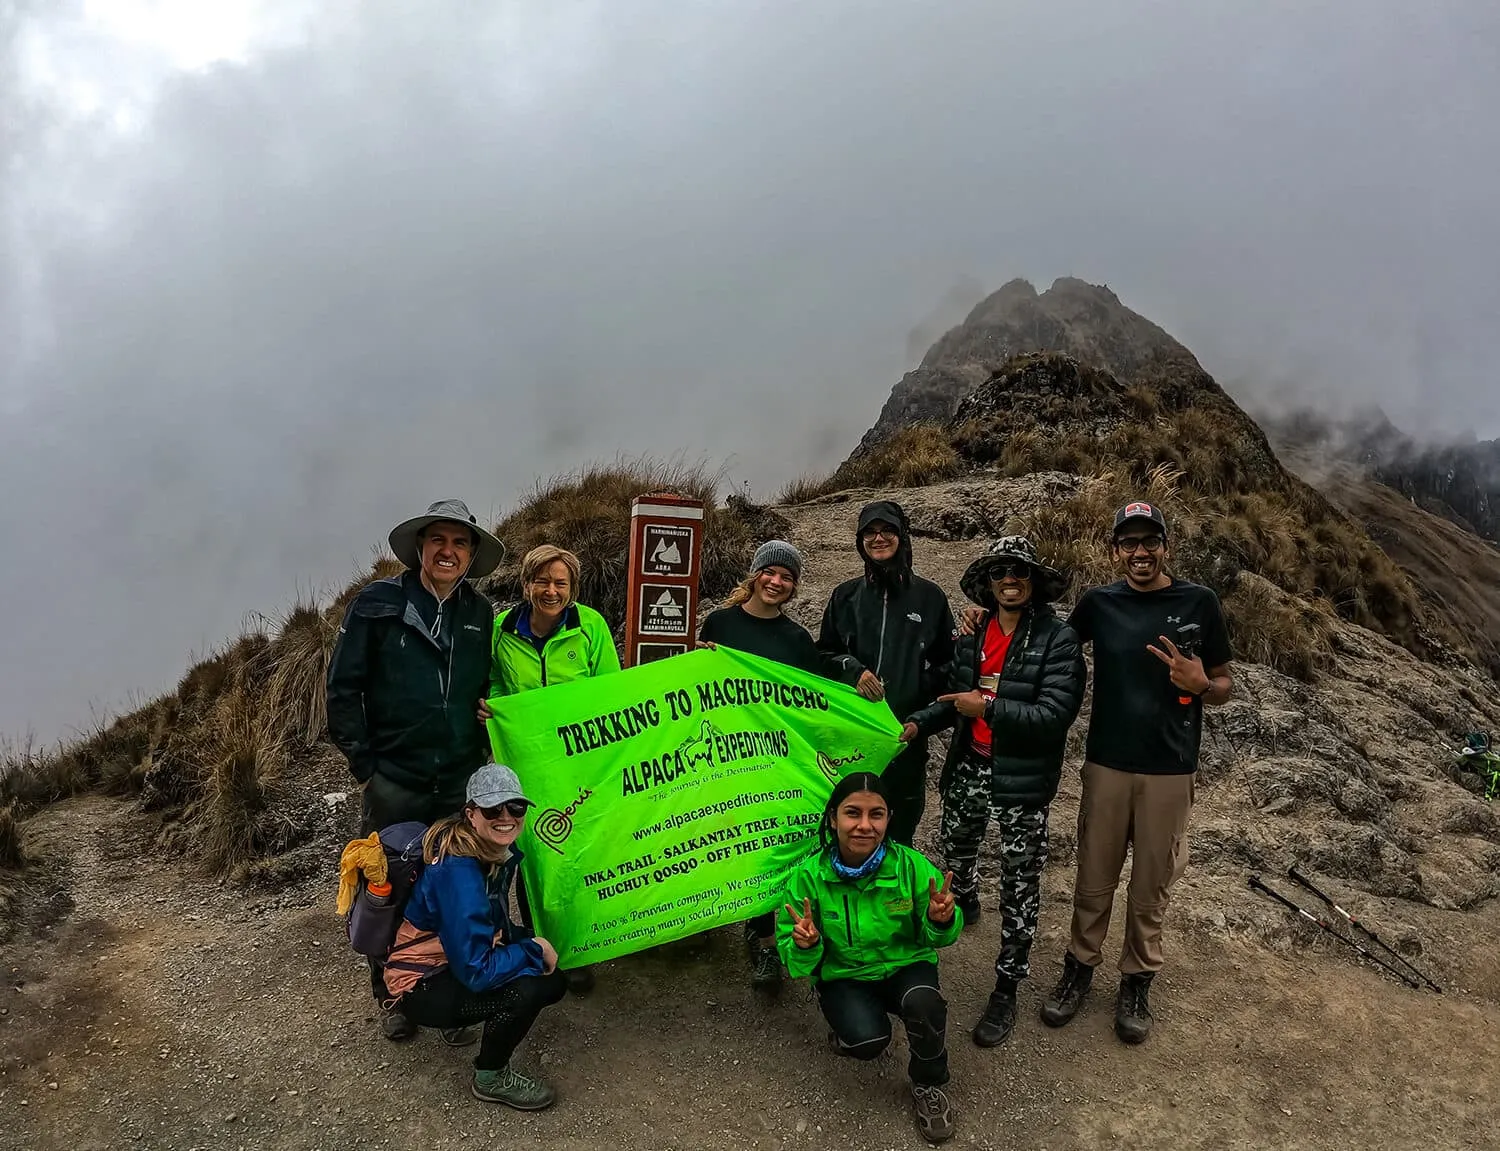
<point>553,826</point>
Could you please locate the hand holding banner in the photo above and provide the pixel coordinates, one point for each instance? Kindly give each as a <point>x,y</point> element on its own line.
<point>674,797</point>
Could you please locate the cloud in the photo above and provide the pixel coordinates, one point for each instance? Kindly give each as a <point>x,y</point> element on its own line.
<point>400,252</point>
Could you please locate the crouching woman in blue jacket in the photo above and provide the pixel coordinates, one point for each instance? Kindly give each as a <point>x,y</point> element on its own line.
<point>458,959</point>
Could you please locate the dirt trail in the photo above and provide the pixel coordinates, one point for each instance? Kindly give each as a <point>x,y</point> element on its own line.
<point>175,1014</point>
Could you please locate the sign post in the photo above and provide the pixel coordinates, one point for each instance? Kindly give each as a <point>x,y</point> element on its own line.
<point>666,551</point>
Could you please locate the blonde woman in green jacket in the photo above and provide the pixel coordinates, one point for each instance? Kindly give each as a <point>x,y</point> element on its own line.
<point>549,638</point>
<point>864,920</point>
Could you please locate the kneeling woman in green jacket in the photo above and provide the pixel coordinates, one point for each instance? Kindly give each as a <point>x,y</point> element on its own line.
<point>864,919</point>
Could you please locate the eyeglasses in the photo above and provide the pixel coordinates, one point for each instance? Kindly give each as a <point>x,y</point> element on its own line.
<point>517,808</point>
<point>880,534</point>
<point>1129,544</point>
<point>1016,570</point>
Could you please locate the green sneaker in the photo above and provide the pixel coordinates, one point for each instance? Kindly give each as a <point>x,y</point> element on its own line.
<point>510,1087</point>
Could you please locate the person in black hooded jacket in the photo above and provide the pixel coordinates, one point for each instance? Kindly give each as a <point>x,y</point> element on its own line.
<point>889,633</point>
<point>1015,687</point>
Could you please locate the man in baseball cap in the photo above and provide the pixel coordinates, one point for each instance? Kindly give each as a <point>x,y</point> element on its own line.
<point>1161,653</point>
<point>411,664</point>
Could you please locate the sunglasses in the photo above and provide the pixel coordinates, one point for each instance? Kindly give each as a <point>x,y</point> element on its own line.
<point>517,808</point>
<point>1129,544</point>
<point>880,534</point>
<point>1016,570</point>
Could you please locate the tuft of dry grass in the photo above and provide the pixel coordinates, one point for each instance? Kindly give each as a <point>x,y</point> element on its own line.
<point>296,696</point>
<point>232,762</point>
<point>807,487</point>
<point>1269,626</point>
<point>588,512</point>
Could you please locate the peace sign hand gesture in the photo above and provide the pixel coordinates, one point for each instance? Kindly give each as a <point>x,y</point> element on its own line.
<point>1186,671</point>
<point>940,903</point>
<point>804,930</point>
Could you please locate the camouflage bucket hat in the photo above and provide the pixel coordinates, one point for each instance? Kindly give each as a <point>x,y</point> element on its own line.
<point>1047,583</point>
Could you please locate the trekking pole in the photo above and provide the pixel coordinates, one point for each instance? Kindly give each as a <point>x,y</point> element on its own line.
<point>1311,918</point>
<point>1302,881</point>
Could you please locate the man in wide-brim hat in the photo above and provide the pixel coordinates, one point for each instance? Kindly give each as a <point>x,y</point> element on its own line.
<point>411,664</point>
<point>1015,687</point>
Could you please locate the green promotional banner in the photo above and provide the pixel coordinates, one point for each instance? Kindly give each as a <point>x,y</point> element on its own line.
<point>674,797</point>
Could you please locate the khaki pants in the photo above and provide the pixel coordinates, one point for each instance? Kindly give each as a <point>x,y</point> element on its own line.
<point>1149,815</point>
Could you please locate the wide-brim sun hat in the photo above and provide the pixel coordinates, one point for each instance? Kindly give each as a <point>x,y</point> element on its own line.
<point>488,550</point>
<point>1047,583</point>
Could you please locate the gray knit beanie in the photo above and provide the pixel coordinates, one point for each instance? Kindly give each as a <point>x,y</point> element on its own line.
<point>777,553</point>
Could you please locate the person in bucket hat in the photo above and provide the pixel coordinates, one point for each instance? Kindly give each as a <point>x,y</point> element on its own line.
<point>1015,687</point>
<point>411,665</point>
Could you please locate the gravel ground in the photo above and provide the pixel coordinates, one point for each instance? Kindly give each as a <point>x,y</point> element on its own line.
<point>168,1012</point>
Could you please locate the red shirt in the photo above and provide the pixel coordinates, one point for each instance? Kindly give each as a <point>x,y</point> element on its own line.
<point>993,647</point>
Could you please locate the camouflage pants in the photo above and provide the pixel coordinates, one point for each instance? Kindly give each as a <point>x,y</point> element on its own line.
<point>968,808</point>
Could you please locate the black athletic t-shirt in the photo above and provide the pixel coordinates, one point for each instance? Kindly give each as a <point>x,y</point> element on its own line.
<point>779,638</point>
<point>1138,722</point>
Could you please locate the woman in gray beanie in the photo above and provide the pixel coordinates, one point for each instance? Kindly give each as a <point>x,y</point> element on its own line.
<point>752,621</point>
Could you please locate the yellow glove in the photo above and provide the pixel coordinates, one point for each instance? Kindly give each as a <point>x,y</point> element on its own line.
<point>361,855</point>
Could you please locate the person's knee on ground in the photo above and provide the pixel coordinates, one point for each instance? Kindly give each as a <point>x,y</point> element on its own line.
<point>862,1042</point>
<point>924,1013</point>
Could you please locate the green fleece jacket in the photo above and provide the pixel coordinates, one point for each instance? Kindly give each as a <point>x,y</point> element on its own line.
<point>869,927</point>
<point>580,647</point>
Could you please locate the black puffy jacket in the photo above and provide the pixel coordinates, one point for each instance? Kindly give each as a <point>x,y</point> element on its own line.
<point>398,704</point>
<point>1036,701</point>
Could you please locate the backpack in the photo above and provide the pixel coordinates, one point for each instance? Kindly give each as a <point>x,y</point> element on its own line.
<point>374,921</point>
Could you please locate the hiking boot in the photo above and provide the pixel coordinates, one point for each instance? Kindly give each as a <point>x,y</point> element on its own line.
<point>395,1026</point>
<point>765,969</point>
<point>510,1087</point>
<point>999,1016</point>
<point>1132,1010</point>
<point>580,980</point>
<point>969,905</point>
<point>1066,997</point>
<point>934,1113</point>
<point>460,1036</point>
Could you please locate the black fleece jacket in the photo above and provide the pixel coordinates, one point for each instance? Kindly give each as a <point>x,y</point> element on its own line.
<point>399,704</point>
<point>889,621</point>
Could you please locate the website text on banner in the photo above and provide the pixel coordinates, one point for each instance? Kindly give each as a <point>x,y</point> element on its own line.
<point>674,797</point>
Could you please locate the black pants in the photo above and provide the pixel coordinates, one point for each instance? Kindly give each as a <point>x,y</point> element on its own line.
<point>859,1012</point>
<point>906,785</point>
<point>383,803</point>
<point>507,1012</point>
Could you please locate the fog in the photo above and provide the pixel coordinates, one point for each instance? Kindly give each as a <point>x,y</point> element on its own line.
<point>274,279</point>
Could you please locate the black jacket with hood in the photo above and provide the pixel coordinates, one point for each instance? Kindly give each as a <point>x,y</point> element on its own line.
<point>401,706</point>
<point>890,621</point>
<point>1036,700</point>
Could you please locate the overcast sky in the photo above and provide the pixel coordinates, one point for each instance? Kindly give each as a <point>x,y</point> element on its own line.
<point>272,280</point>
